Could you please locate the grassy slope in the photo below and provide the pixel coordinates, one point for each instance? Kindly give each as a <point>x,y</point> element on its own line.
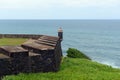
<point>11,41</point>
<point>74,69</point>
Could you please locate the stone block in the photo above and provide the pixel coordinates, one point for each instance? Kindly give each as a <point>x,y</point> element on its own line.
<point>14,51</point>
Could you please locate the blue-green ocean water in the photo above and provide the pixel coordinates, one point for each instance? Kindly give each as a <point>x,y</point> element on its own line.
<point>99,39</point>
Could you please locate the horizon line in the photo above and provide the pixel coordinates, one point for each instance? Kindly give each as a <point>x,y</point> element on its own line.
<point>59,19</point>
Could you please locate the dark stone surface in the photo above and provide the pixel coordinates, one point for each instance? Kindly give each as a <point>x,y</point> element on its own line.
<point>35,62</point>
<point>20,64</point>
<point>5,65</point>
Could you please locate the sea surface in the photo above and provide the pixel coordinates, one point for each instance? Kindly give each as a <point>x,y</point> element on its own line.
<point>98,39</point>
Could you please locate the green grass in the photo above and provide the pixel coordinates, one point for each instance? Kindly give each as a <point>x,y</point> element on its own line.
<point>75,53</point>
<point>12,41</point>
<point>73,69</point>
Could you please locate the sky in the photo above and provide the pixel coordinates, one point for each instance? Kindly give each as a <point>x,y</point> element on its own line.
<point>59,9</point>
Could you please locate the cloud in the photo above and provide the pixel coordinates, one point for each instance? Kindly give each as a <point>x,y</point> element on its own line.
<point>54,3</point>
<point>23,3</point>
<point>88,3</point>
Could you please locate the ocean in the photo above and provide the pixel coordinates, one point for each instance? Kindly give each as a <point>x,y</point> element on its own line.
<point>98,39</point>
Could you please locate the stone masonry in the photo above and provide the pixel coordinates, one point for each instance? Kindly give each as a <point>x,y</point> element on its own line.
<point>41,54</point>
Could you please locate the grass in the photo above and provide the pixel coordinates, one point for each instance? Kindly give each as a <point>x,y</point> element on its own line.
<point>75,53</point>
<point>73,69</point>
<point>11,41</point>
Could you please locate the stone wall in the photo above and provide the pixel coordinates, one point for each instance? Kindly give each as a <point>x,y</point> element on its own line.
<point>5,65</point>
<point>47,63</point>
<point>14,60</point>
<point>33,36</point>
<point>57,56</point>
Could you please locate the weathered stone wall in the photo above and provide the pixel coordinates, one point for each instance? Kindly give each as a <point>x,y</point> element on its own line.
<point>20,65</point>
<point>34,60</point>
<point>5,66</point>
<point>57,56</point>
<point>47,62</point>
<point>34,36</point>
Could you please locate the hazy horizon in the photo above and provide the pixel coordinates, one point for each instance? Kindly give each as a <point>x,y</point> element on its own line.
<point>63,9</point>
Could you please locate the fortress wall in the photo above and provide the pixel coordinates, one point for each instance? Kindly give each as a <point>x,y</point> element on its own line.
<point>33,36</point>
<point>36,61</point>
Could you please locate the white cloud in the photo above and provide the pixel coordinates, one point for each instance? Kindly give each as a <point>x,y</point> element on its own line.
<point>87,3</point>
<point>53,3</point>
<point>22,3</point>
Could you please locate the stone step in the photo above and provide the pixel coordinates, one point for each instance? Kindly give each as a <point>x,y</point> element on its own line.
<point>14,51</point>
<point>45,43</point>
